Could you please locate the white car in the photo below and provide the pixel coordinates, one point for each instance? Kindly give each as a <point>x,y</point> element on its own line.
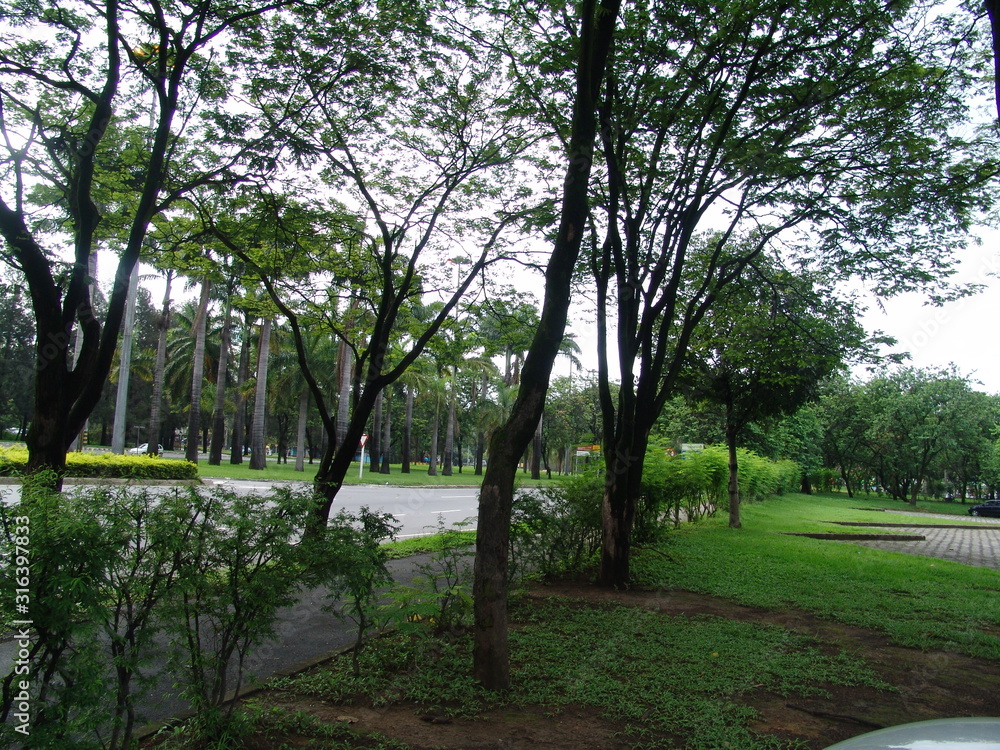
<point>138,451</point>
<point>939,734</point>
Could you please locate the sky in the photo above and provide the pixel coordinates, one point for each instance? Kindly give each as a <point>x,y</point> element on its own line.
<point>963,333</point>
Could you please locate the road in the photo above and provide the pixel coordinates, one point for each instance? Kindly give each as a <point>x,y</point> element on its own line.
<point>416,508</point>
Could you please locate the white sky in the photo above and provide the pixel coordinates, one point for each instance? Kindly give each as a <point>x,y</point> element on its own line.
<point>962,332</point>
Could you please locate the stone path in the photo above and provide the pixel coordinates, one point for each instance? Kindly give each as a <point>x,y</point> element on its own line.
<point>978,546</point>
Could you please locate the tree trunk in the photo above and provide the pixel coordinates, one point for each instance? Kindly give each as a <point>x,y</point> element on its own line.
<point>622,488</point>
<point>118,436</point>
<point>407,429</point>
<point>162,326</point>
<point>536,451</point>
<point>375,438</point>
<point>240,412</point>
<point>734,478</point>
<point>258,455</point>
<point>300,437</point>
<point>219,411</point>
<point>432,466</point>
<point>491,656</point>
<point>345,372</point>
<point>387,432</point>
<point>449,431</point>
<point>197,375</point>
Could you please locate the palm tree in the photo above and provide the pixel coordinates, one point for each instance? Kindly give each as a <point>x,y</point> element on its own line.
<point>197,373</point>
<point>258,458</point>
<point>162,326</point>
<point>219,410</point>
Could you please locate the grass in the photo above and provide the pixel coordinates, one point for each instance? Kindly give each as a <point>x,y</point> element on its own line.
<point>659,676</point>
<point>679,681</point>
<point>918,601</point>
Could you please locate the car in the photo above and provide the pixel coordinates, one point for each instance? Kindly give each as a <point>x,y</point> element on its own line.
<point>140,449</point>
<point>989,508</point>
<point>939,734</point>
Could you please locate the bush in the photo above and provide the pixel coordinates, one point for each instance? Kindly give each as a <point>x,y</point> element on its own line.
<point>109,568</point>
<point>14,461</point>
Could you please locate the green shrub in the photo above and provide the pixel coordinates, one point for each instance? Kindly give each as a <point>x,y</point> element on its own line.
<point>14,461</point>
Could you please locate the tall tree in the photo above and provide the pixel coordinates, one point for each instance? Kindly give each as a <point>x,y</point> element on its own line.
<point>781,128</point>
<point>258,455</point>
<point>491,655</point>
<point>72,87</point>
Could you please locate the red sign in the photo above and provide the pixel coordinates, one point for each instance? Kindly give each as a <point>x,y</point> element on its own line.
<point>364,439</point>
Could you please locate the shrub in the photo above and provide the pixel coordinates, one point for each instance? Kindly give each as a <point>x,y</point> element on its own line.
<point>14,461</point>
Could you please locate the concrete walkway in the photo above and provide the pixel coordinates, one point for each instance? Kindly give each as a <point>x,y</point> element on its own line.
<point>976,542</point>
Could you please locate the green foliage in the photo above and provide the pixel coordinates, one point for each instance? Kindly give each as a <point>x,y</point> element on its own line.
<point>110,568</point>
<point>242,566</point>
<point>557,528</point>
<point>67,556</point>
<point>439,598</point>
<point>13,462</point>
<point>350,557</point>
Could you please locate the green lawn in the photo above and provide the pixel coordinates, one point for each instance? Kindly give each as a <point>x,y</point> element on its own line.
<point>918,601</point>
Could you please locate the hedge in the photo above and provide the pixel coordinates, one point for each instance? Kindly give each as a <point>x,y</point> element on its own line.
<point>13,462</point>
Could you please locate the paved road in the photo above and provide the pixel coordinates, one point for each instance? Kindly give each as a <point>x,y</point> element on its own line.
<point>979,546</point>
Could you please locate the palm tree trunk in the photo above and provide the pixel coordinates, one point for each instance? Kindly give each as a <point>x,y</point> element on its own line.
<point>449,430</point>
<point>432,466</point>
<point>162,326</point>
<point>536,451</point>
<point>386,433</point>
<point>345,371</point>
<point>407,429</point>
<point>197,375</point>
<point>300,437</point>
<point>219,412</point>
<point>258,458</point>
<point>239,417</point>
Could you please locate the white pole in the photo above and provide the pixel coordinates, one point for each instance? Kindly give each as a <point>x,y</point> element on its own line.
<point>361,467</point>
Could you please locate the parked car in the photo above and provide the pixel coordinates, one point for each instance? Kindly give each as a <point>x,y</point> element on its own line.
<point>139,450</point>
<point>939,734</point>
<point>989,508</point>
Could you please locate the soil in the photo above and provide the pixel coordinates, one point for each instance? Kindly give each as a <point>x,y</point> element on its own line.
<point>928,685</point>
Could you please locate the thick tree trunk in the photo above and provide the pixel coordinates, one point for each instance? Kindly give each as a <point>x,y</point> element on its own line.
<point>622,488</point>
<point>258,455</point>
<point>162,326</point>
<point>491,663</point>
<point>219,410</point>
<point>407,429</point>
<point>197,375</point>
<point>375,438</point>
<point>300,436</point>
<point>240,411</point>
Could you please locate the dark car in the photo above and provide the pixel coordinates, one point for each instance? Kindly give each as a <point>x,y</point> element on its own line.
<point>989,508</point>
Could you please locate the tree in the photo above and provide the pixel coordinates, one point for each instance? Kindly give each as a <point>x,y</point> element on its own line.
<point>781,129</point>
<point>71,87</point>
<point>491,651</point>
<point>763,349</point>
<point>416,148</point>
